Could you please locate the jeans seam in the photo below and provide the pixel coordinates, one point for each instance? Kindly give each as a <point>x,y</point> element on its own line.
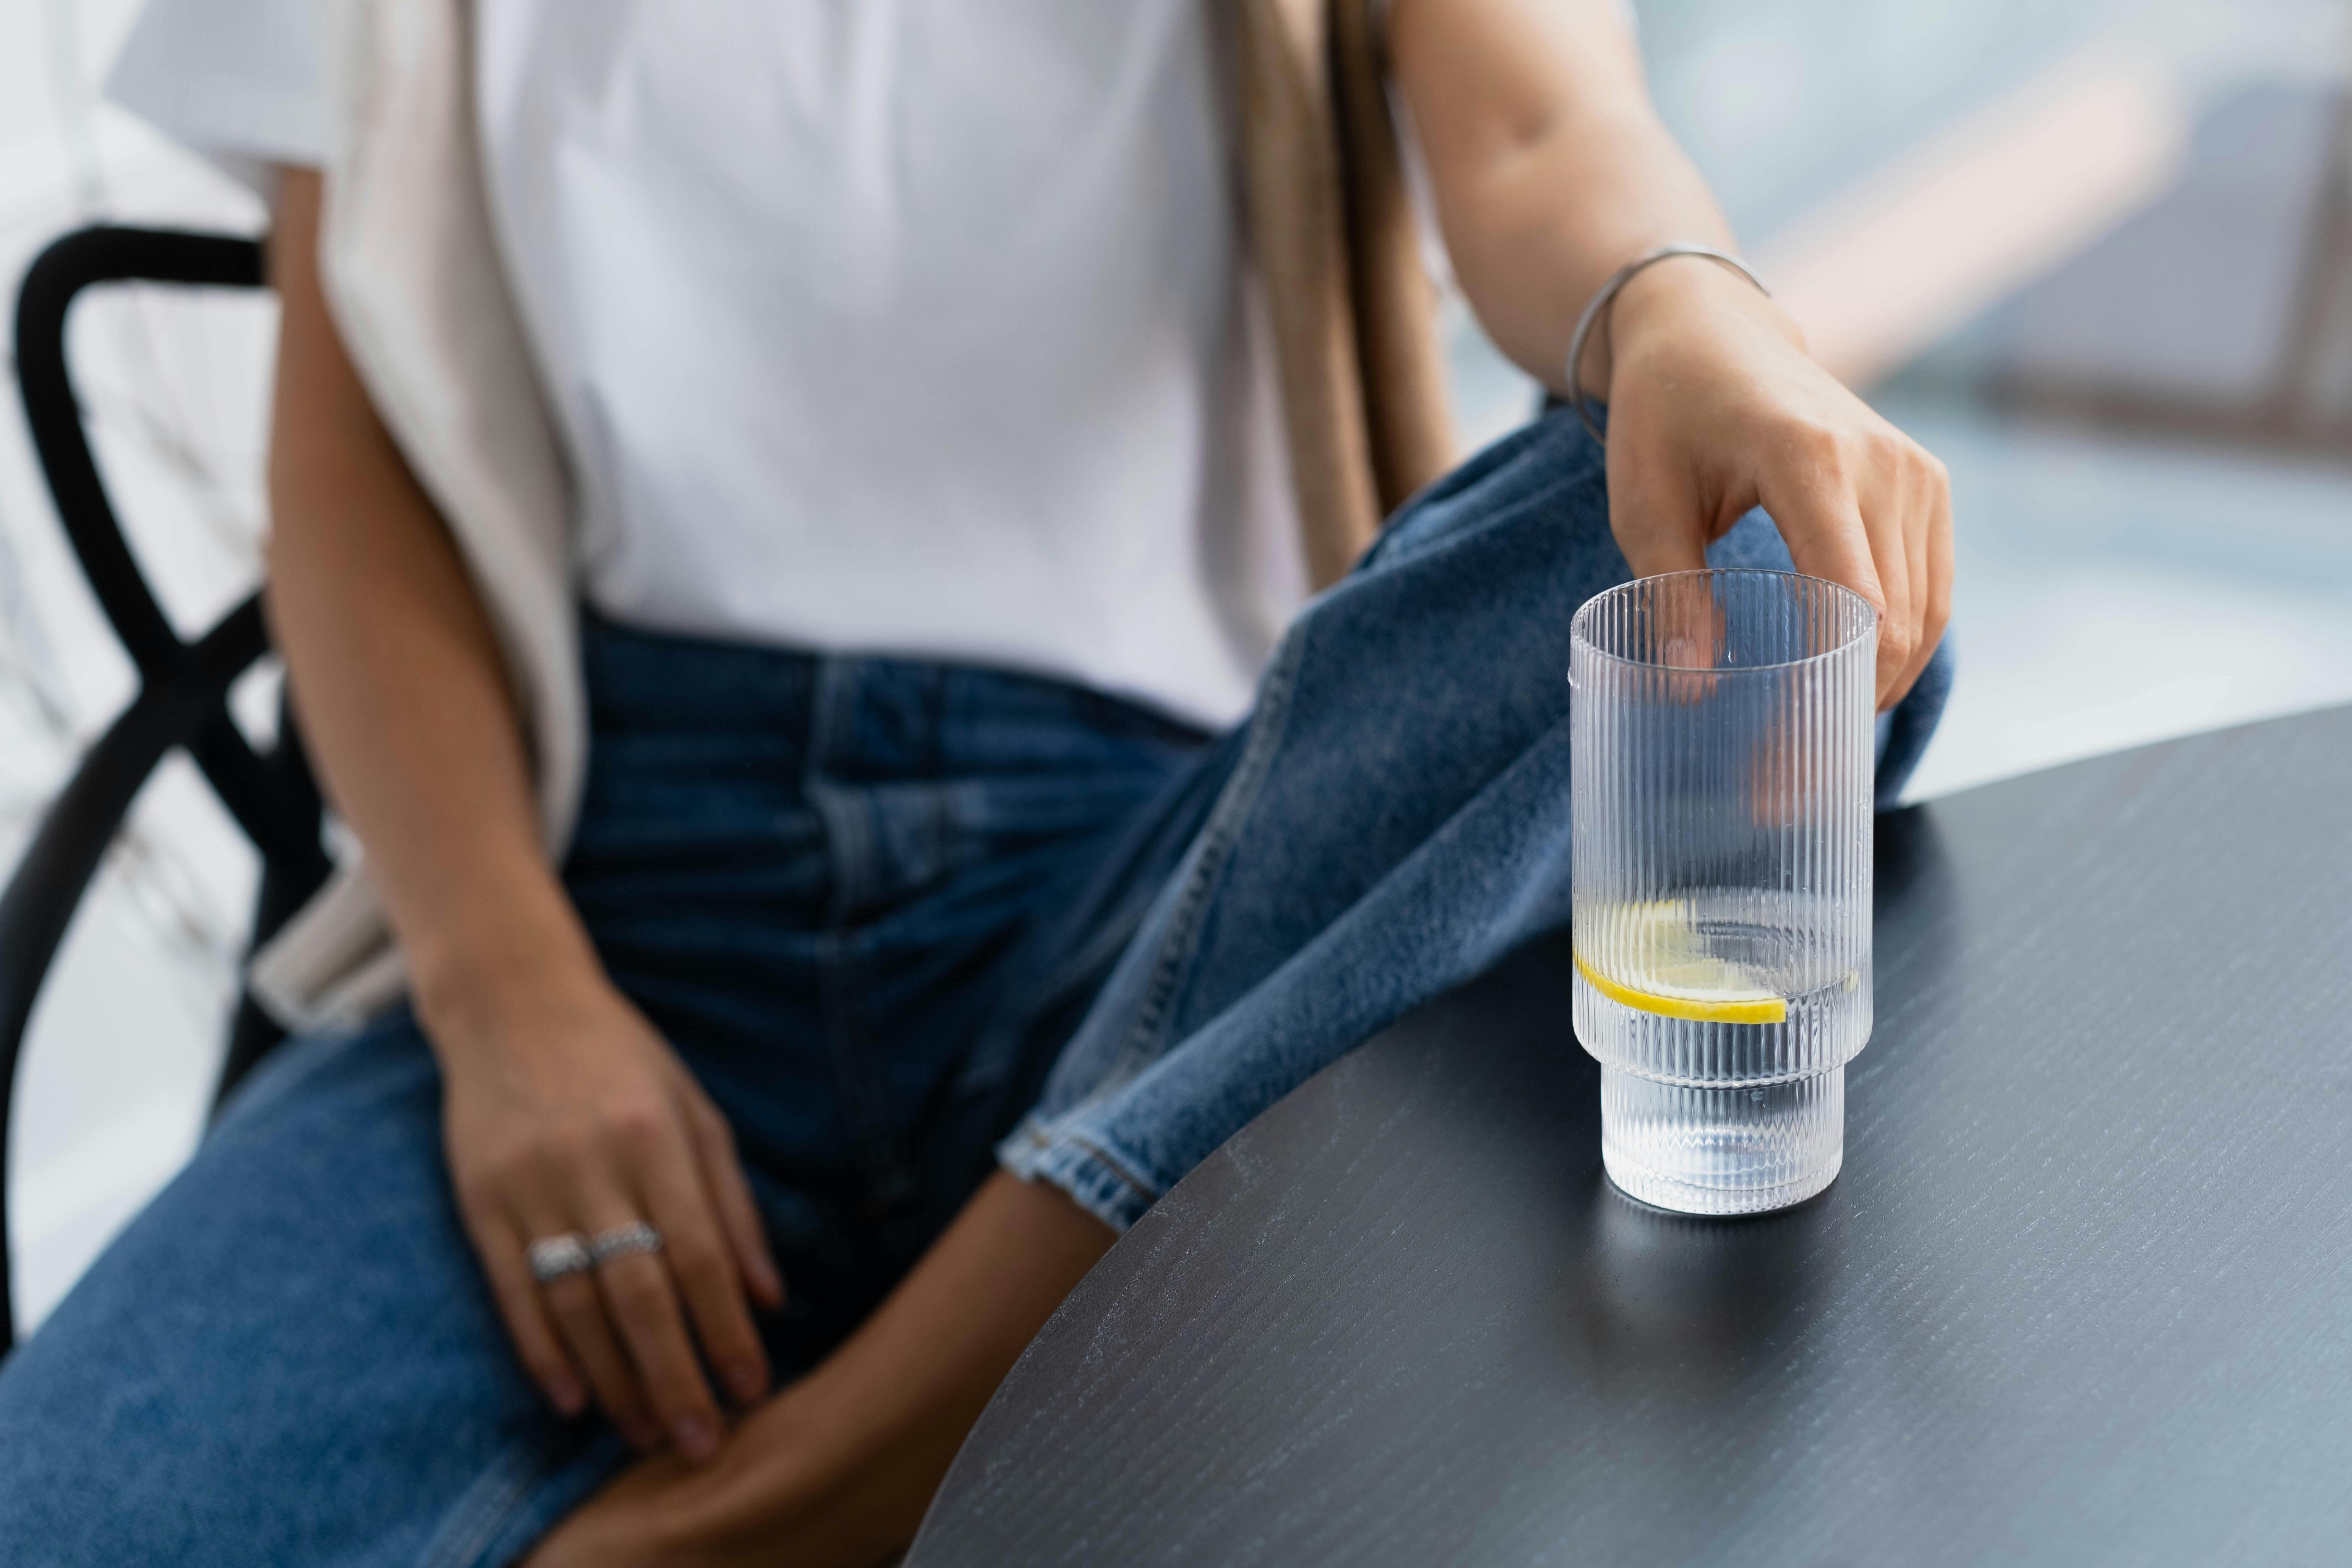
<point>1118,1169</point>
<point>847,830</point>
<point>1076,1165</point>
<point>481,1516</point>
<point>841,969</point>
<point>1218,837</point>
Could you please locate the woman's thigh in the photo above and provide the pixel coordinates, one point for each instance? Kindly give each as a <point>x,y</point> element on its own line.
<point>289,1357</point>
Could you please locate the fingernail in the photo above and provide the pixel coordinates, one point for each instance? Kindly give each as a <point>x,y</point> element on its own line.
<point>566,1397</point>
<point>1682,653</point>
<point>748,1379</point>
<point>694,1438</point>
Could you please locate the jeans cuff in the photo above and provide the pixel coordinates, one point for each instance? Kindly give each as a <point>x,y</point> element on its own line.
<point>1094,1178</point>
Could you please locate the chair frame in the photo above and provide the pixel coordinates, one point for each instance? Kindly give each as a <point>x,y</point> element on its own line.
<point>182,701</point>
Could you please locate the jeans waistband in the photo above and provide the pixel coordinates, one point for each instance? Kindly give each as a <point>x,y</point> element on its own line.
<point>873,717</point>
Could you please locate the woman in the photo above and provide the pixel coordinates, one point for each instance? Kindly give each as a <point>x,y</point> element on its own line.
<point>888,442</point>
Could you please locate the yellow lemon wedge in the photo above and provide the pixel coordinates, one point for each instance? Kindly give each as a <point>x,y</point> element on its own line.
<point>1702,1010</point>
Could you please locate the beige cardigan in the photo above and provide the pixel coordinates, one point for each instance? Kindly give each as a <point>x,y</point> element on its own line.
<point>413,276</point>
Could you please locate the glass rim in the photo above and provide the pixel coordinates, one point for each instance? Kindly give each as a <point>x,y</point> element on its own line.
<point>1577,635</point>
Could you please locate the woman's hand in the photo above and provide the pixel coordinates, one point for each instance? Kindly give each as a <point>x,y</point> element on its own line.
<point>1714,408</point>
<point>564,1112</point>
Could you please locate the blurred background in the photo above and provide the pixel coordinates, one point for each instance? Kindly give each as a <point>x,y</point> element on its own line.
<point>2097,255</point>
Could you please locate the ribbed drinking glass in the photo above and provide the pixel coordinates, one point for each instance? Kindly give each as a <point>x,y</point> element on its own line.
<point>1722,776</point>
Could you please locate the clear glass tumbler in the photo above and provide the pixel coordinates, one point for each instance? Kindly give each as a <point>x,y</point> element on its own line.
<point>1722,776</point>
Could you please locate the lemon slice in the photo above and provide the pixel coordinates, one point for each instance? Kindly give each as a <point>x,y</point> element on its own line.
<point>1701,1010</point>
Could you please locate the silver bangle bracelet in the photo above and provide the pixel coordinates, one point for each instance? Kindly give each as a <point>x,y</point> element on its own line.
<point>1606,295</point>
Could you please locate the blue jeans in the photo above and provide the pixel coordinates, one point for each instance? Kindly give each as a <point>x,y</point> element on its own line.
<point>876,905</point>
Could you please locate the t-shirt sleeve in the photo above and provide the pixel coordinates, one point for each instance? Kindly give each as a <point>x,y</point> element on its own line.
<point>240,81</point>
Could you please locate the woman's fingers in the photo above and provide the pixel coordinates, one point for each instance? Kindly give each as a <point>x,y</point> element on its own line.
<point>644,1303</point>
<point>1842,508</point>
<point>1657,517</point>
<point>524,1311</point>
<point>1865,508</point>
<point>1822,521</point>
<point>1932,556</point>
<point>1906,501</point>
<point>703,1266</point>
<point>1916,513</point>
<point>1885,518</point>
<point>640,1298</point>
<point>1656,512</point>
<point>578,1311</point>
<point>739,1216</point>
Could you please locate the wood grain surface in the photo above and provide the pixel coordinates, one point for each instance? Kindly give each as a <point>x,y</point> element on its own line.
<point>2082,1294</point>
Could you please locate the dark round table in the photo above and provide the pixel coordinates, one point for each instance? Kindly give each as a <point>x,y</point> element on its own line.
<point>2082,1296</point>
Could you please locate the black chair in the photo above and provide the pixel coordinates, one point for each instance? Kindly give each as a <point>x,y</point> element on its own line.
<point>183,686</point>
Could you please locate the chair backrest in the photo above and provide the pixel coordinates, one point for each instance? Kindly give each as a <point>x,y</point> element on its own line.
<point>182,685</point>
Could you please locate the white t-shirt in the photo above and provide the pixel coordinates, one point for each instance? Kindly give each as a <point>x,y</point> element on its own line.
<point>872,326</point>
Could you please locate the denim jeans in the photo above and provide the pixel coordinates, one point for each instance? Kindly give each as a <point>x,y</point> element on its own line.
<point>880,908</point>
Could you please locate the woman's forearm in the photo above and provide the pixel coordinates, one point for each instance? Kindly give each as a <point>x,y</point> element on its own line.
<point>1549,167</point>
<point>394,669</point>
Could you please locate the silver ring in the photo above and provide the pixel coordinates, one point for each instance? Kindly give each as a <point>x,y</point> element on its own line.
<point>552,1258</point>
<point>623,1241</point>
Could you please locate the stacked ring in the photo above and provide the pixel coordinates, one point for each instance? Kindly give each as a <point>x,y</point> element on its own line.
<point>553,1257</point>
<point>623,1241</point>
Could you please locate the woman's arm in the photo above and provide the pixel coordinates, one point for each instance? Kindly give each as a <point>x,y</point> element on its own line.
<point>1550,171</point>
<point>563,1110</point>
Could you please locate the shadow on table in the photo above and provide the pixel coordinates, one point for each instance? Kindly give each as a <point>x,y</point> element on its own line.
<point>1672,1304</point>
<point>1911,875</point>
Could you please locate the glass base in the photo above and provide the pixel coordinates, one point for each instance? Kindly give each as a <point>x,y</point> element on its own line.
<point>1733,1150</point>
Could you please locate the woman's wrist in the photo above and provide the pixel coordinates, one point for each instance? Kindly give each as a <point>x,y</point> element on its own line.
<point>1682,294</point>
<point>508,963</point>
